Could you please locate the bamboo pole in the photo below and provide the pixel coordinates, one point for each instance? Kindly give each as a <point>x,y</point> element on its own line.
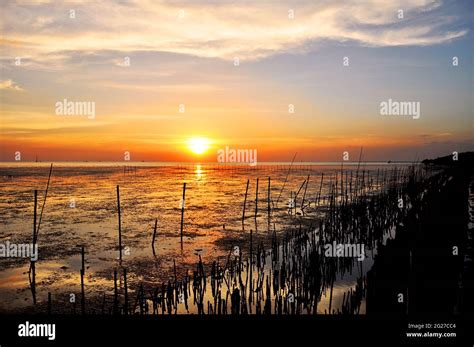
<point>119,222</point>
<point>35,216</point>
<point>256,200</point>
<point>268,196</point>
<point>32,272</point>
<point>301,187</point>
<point>182,211</point>
<point>154,235</point>
<point>304,194</point>
<point>342,181</point>
<point>320,187</point>
<point>44,203</point>
<point>357,173</point>
<point>82,258</point>
<point>245,200</point>
<point>286,178</point>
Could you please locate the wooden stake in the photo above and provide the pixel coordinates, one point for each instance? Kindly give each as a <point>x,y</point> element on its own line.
<point>268,196</point>
<point>34,216</point>
<point>32,272</point>
<point>286,178</point>
<point>256,200</point>
<point>245,200</point>
<point>44,203</point>
<point>119,222</point>
<point>154,235</point>
<point>82,259</point>
<point>342,181</point>
<point>320,187</point>
<point>304,194</point>
<point>182,210</point>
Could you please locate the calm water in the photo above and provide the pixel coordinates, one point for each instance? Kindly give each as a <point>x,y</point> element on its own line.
<point>81,209</point>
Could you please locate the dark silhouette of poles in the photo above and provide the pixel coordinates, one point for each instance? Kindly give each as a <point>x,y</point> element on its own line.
<point>154,235</point>
<point>32,272</point>
<point>292,202</point>
<point>119,222</point>
<point>82,258</point>
<point>320,187</point>
<point>304,194</point>
<point>251,268</point>
<point>182,210</point>
<point>342,181</point>
<point>286,178</point>
<point>268,196</point>
<point>42,207</point>
<point>245,200</point>
<point>256,200</point>
<point>357,173</point>
<point>35,216</point>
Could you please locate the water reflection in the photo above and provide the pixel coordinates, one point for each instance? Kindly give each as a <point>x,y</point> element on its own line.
<point>198,172</point>
<point>214,200</point>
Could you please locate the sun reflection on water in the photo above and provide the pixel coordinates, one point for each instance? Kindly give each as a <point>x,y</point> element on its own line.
<point>198,172</point>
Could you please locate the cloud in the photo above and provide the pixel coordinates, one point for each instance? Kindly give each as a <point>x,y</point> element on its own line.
<point>10,85</point>
<point>221,30</point>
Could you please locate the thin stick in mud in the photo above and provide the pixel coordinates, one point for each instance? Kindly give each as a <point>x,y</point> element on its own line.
<point>256,200</point>
<point>245,200</point>
<point>119,222</point>
<point>268,197</point>
<point>32,270</point>
<point>286,178</point>
<point>154,236</point>
<point>182,211</point>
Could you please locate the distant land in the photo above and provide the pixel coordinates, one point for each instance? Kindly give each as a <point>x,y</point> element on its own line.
<point>464,158</point>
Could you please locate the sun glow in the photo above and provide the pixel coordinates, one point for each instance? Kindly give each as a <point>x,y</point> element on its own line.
<point>198,145</point>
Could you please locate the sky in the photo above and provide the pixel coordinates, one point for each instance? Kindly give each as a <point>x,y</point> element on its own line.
<point>160,73</point>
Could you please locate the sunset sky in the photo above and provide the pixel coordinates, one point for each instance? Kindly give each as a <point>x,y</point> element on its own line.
<point>183,52</point>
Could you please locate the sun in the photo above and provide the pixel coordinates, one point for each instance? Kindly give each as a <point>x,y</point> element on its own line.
<point>198,145</point>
